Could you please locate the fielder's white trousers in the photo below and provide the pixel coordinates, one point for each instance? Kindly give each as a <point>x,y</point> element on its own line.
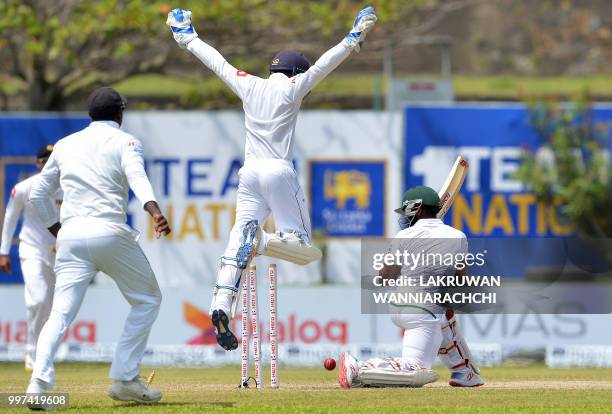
<point>265,187</point>
<point>39,281</point>
<point>85,247</point>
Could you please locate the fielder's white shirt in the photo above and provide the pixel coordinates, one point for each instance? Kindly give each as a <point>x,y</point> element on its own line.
<point>270,105</point>
<point>95,168</point>
<point>33,231</point>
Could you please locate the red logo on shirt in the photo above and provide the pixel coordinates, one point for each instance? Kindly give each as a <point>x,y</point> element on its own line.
<point>13,192</point>
<point>241,73</point>
<point>131,144</point>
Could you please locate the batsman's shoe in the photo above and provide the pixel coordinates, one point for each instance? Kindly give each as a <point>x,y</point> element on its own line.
<point>465,378</point>
<point>29,362</point>
<point>347,371</point>
<point>225,338</point>
<point>179,21</point>
<point>134,391</point>
<point>38,387</point>
<point>364,22</point>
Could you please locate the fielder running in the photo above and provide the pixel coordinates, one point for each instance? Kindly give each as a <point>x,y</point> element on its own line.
<point>36,254</point>
<point>268,183</point>
<point>95,168</point>
<point>429,330</point>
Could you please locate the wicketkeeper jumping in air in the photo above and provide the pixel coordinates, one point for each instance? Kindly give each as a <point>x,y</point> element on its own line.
<point>268,183</point>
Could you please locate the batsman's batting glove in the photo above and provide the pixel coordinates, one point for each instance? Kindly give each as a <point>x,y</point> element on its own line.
<point>179,21</point>
<point>361,26</point>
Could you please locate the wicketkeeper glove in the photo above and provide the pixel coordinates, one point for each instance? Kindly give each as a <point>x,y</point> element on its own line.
<point>179,21</point>
<point>361,26</point>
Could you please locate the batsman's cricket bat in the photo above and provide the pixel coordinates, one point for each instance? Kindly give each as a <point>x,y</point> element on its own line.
<point>452,185</point>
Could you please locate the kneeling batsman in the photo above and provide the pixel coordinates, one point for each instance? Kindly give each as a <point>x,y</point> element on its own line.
<point>429,330</point>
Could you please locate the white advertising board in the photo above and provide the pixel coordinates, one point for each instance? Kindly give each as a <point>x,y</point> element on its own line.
<point>193,159</point>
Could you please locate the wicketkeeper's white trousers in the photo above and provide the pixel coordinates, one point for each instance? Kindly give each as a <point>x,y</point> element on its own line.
<point>83,249</point>
<point>265,187</point>
<point>39,281</point>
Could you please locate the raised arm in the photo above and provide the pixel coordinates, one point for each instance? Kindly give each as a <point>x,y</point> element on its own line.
<point>236,79</point>
<point>42,194</point>
<point>185,35</point>
<point>132,163</point>
<point>331,59</point>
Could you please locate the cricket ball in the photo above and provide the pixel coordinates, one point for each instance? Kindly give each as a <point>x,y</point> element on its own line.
<point>329,364</point>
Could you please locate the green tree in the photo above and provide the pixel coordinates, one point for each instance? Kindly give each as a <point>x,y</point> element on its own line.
<point>572,167</point>
<point>55,51</point>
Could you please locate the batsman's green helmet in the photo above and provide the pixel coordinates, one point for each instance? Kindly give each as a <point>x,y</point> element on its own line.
<point>427,195</point>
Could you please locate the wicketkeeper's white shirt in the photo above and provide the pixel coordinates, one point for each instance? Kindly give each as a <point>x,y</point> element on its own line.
<point>95,168</point>
<point>270,105</point>
<point>33,231</point>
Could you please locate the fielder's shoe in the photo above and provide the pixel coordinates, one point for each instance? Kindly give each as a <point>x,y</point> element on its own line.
<point>38,387</point>
<point>29,362</point>
<point>135,391</point>
<point>225,338</point>
<point>465,378</point>
<point>347,371</point>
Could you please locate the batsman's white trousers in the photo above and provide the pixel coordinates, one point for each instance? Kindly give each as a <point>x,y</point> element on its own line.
<point>422,337</point>
<point>425,336</point>
<point>84,247</point>
<point>265,186</point>
<point>39,281</point>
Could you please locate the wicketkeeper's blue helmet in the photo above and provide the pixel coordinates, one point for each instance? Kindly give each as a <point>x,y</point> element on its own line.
<point>290,63</point>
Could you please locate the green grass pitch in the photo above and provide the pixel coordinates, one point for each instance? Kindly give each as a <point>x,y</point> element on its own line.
<point>532,389</point>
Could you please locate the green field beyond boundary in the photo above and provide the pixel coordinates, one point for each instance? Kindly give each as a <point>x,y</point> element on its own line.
<point>485,87</point>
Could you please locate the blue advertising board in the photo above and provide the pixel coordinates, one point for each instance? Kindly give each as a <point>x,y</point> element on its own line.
<point>20,138</point>
<point>348,197</point>
<point>492,202</point>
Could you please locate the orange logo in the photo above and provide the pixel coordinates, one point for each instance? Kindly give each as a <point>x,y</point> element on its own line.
<point>200,320</point>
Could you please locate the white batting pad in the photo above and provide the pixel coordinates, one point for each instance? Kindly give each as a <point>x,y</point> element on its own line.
<point>291,248</point>
<point>372,377</point>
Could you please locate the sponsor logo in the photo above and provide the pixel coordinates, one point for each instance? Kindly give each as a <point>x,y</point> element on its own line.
<point>342,186</point>
<point>200,320</point>
<point>16,332</point>
<point>492,202</point>
<point>348,197</point>
<point>291,330</point>
<point>241,73</point>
